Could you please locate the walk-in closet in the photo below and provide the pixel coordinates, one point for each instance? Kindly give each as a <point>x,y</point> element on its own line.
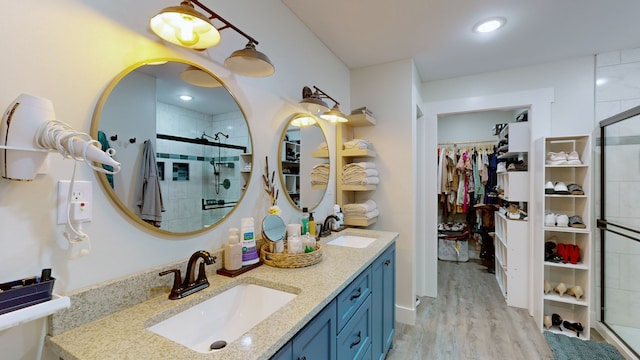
<point>483,194</point>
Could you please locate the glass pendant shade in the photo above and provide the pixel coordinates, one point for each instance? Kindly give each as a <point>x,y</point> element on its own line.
<point>314,104</point>
<point>334,115</point>
<point>302,120</point>
<point>249,62</point>
<point>184,26</point>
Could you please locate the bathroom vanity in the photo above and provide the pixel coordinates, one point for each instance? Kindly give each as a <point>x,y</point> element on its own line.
<point>345,305</point>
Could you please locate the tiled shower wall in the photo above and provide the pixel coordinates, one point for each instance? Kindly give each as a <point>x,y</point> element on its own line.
<point>618,89</point>
<point>183,198</point>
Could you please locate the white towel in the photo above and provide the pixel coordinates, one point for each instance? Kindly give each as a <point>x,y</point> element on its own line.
<point>360,208</point>
<point>357,144</point>
<point>369,180</point>
<point>366,216</point>
<point>359,173</point>
<point>363,165</point>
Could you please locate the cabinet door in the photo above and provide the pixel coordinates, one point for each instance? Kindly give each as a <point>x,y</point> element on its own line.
<point>383,303</point>
<point>317,340</point>
<point>285,353</point>
<point>355,339</point>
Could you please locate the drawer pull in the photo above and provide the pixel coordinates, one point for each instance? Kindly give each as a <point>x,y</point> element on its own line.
<point>356,295</point>
<point>387,262</point>
<point>357,341</point>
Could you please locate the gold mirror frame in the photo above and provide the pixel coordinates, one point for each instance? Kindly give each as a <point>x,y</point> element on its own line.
<point>244,174</point>
<point>312,157</point>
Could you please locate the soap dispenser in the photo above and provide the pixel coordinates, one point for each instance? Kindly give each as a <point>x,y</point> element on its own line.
<point>233,251</point>
<point>312,225</point>
<point>304,221</point>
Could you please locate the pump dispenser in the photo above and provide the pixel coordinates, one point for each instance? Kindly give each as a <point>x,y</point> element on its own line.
<point>304,220</point>
<point>233,251</point>
<point>312,225</point>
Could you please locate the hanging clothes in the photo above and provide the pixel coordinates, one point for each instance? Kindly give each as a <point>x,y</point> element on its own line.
<point>150,201</point>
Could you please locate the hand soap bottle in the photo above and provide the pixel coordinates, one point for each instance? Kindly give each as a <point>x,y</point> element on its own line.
<point>304,220</point>
<point>312,225</point>
<point>233,251</point>
<point>249,252</point>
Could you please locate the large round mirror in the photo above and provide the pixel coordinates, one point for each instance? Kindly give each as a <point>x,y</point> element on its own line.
<point>184,145</point>
<point>304,162</point>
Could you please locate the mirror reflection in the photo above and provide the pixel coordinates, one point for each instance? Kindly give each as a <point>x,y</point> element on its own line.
<point>304,162</point>
<point>196,136</point>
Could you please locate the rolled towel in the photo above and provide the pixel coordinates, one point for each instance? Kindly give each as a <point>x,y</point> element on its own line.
<point>357,144</point>
<point>364,165</point>
<point>366,216</point>
<point>364,207</point>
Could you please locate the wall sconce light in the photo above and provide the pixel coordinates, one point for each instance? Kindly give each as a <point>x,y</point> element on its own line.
<point>303,120</point>
<point>198,77</point>
<point>184,26</point>
<point>312,101</point>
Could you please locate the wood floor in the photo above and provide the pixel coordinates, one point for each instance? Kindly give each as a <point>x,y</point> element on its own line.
<point>468,320</point>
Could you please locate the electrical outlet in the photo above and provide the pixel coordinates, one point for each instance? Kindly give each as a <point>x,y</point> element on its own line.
<point>80,194</point>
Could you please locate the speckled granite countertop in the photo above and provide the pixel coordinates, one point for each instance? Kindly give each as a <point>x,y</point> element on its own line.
<point>123,334</point>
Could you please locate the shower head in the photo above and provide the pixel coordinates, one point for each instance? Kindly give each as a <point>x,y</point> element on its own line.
<point>218,134</point>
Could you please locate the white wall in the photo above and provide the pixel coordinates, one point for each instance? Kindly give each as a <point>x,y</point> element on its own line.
<point>68,51</point>
<point>387,90</point>
<point>471,127</point>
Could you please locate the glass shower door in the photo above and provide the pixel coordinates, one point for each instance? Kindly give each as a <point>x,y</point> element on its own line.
<point>619,225</point>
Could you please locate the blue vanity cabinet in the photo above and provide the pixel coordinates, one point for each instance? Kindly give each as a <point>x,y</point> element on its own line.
<point>383,272</point>
<point>285,353</point>
<point>317,340</point>
<point>354,340</point>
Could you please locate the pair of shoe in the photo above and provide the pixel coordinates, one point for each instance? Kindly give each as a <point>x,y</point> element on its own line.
<point>562,158</point>
<point>559,220</point>
<point>519,165</point>
<point>568,252</point>
<point>577,327</point>
<point>560,188</point>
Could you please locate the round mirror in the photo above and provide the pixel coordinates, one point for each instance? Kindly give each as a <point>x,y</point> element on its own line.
<point>273,228</point>
<point>183,142</point>
<point>304,162</point>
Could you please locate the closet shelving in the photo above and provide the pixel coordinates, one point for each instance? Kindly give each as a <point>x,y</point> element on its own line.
<point>246,164</point>
<point>290,163</point>
<point>347,194</point>
<point>511,239</point>
<point>568,307</point>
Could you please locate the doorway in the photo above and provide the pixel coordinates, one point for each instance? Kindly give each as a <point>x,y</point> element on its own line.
<point>538,101</point>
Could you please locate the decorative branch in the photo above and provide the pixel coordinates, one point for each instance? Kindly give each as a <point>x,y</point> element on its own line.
<point>269,184</point>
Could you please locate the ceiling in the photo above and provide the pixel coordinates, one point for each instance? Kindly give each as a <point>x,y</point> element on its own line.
<point>438,34</point>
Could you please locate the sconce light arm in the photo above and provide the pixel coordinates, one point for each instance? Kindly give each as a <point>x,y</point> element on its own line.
<point>227,24</point>
<point>324,94</point>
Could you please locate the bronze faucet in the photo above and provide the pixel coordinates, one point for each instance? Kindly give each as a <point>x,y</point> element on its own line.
<point>190,284</point>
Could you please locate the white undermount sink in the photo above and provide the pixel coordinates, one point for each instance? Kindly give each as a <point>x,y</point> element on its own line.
<point>352,241</point>
<point>222,319</point>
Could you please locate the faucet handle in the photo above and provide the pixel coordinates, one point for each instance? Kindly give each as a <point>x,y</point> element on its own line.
<point>177,278</point>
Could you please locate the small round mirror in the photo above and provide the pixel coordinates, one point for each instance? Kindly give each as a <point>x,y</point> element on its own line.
<point>273,228</point>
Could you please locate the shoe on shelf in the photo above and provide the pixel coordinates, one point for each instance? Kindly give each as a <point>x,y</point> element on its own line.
<point>573,252</point>
<point>559,158</point>
<point>547,287</point>
<point>576,222</point>
<point>561,288</point>
<point>575,189</point>
<point>560,188</point>
<point>577,327</point>
<point>575,291</point>
<point>573,159</point>
<point>549,187</point>
<point>562,220</point>
<point>547,322</point>
<point>550,220</point>
<point>556,320</point>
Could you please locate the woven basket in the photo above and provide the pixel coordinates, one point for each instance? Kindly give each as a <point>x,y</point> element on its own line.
<point>286,260</point>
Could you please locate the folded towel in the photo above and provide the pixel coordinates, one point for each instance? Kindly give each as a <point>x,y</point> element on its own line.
<point>357,144</point>
<point>360,208</point>
<point>359,173</point>
<point>366,216</point>
<point>369,180</point>
<point>363,165</point>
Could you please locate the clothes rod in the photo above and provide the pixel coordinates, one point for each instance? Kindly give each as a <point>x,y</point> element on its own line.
<point>469,142</point>
<point>201,142</point>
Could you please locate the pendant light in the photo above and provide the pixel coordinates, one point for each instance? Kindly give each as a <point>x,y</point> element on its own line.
<point>184,26</point>
<point>303,120</point>
<point>335,115</point>
<point>198,77</point>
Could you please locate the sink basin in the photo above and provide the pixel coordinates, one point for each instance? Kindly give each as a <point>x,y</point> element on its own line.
<point>352,241</point>
<point>223,318</point>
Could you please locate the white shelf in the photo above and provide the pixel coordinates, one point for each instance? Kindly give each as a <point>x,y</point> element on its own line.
<point>361,119</point>
<point>358,153</point>
<point>512,259</point>
<point>567,306</point>
<point>33,312</point>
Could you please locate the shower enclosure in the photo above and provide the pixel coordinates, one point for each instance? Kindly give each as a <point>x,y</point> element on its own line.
<point>619,224</point>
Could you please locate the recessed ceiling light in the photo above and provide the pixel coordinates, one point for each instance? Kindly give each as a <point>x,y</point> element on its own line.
<point>490,25</point>
<point>186,97</point>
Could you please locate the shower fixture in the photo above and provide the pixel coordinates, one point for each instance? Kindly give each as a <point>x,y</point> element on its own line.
<point>216,164</point>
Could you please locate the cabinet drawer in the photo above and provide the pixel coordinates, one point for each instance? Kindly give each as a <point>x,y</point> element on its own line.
<point>355,339</point>
<point>352,297</point>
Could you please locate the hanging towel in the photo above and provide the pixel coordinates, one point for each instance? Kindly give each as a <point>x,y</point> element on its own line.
<point>102,139</point>
<point>150,201</point>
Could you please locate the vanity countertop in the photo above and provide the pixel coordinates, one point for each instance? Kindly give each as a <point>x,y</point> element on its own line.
<point>124,334</point>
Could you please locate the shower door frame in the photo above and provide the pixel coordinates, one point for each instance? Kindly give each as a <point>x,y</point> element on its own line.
<point>605,225</point>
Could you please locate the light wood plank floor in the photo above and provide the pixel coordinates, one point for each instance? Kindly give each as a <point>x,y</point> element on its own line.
<point>468,320</point>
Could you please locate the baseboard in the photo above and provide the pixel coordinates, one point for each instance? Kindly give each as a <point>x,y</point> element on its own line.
<point>405,315</point>
<point>612,339</point>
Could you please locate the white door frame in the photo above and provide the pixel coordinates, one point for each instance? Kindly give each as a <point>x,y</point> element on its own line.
<point>538,101</point>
